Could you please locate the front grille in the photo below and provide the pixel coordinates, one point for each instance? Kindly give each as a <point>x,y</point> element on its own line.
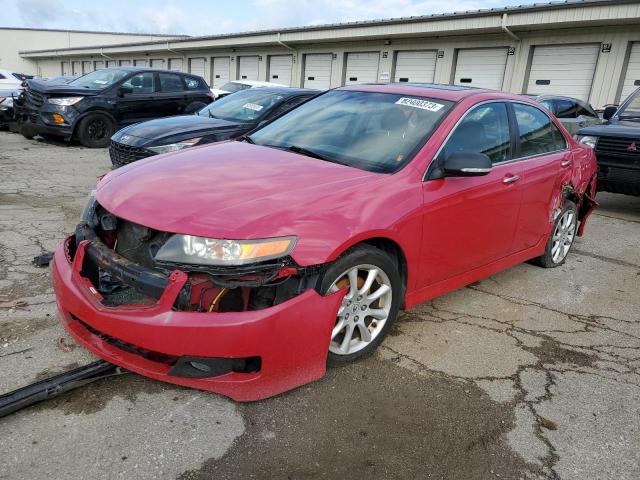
<point>619,148</point>
<point>34,99</point>
<point>124,154</point>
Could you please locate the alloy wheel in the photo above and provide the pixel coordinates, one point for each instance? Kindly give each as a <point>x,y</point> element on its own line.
<point>364,309</point>
<point>563,236</point>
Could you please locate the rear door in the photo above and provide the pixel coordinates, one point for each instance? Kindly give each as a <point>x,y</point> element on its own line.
<point>171,94</point>
<point>469,222</point>
<point>138,105</point>
<point>543,154</point>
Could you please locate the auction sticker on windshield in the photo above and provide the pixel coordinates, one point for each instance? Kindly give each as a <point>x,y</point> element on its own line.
<point>253,106</point>
<point>423,104</point>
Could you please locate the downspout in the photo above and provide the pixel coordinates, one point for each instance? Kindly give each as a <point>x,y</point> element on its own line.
<point>506,30</point>
<point>171,50</point>
<point>285,45</point>
<point>105,56</point>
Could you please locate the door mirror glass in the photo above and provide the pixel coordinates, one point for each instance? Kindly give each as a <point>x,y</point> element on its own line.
<point>609,111</point>
<point>467,164</point>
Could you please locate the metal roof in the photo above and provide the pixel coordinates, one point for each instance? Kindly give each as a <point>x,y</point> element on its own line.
<point>366,23</point>
<point>96,31</point>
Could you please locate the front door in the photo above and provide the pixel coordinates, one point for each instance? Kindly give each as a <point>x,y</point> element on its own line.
<point>469,222</point>
<point>136,103</point>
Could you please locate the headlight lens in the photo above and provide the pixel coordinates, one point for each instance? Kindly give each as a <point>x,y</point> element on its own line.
<point>587,140</point>
<point>172,147</point>
<point>65,101</point>
<point>212,251</point>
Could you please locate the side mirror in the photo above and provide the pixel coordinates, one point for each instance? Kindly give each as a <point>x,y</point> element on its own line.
<point>122,91</point>
<point>609,111</point>
<point>467,164</point>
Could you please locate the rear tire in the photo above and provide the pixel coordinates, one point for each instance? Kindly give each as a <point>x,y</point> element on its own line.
<point>562,237</point>
<point>370,306</point>
<point>95,130</point>
<point>27,132</point>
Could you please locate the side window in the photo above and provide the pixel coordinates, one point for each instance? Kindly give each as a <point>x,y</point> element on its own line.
<point>585,110</point>
<point>286,106</point>
<point>565,108</point>
<point>142,83</point>
<point>485,129</point>
<point>538,134</point>
<point>548,104</point>
<point>170,82</point>
<point>193,83</point>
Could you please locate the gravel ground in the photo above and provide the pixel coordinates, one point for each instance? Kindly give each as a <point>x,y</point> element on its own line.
<point>528,374</point>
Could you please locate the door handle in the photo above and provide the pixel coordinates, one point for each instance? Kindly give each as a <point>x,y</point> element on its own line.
<point>566,163</point>
<point>511,179</point>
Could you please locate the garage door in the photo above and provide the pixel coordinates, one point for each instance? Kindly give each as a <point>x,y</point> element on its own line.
<point>280,67</point>
<point>196,66</point>
<point>632,77</point>
<point>563,70</point>
<point>219,71</point>
<point>317,70</point>
<point>125,63</point>
<point>481,67</point>
<point>248,68</point>
<point>157,63</point>
<point>415,66</point>
<point>175,64</point>
<point>99,64</point>
<point>362,67</point>
<point>87,66</point>
<point>112,63</point>
<point>76,68</point>
<point>66,68</point>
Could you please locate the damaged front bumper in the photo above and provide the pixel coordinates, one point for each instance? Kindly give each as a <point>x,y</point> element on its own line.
<point>248,355</point>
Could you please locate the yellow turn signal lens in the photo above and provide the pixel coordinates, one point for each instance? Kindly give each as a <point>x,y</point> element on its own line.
<point>58,119</point>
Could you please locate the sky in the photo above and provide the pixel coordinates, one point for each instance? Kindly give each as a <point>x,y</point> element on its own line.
<point>210,17</point>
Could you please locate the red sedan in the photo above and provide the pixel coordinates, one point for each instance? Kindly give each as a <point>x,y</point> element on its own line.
<point>246,267</point>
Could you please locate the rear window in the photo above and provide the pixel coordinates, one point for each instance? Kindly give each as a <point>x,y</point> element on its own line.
<point>194,83</point>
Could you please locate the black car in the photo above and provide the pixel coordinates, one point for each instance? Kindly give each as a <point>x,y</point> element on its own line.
<point>92,107</point>
<point>573,113</point>
<point>229,117</point>
<point>8,97</point>
<point>617,147</point>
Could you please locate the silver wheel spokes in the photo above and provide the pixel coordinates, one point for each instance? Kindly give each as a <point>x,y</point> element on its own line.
<point>364,310</point>
<point>563,236</point>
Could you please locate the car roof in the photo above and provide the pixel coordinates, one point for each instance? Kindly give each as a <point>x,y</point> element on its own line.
<point>256,83</point>
<point>289,91</point>
<point>128,68</point>
<point>433,90</point>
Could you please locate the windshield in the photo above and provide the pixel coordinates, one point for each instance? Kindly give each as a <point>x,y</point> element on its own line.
<point>244,107</point>
<point>631,108</point>
<point>234,87</point>
<point>378,132</point>
<point>100,78</point>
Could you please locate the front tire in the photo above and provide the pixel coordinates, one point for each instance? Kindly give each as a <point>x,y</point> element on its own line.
<point>95,130</point>
<point>562,237</point>
<point>370,306</point>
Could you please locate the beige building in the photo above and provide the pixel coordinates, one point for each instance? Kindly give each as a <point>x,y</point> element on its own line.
<point>12,40</point>
<point>588,49</point>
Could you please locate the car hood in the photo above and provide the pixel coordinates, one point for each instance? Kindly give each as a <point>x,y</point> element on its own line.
<point>620,128</point>
<point>236,190</point>
<point>182,127</point>
<point>60,88</point>
<point>217,91</point>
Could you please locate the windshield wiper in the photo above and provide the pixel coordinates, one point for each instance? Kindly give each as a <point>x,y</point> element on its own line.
<point>629,117</point>
<point>310,153</point>
<point>248,140</point>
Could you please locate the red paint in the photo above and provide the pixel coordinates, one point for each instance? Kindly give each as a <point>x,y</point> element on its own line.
<point>452,232</point>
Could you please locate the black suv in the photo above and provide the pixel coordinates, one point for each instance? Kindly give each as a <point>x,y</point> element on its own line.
<point>617,147</point>
<point>93,107</point>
